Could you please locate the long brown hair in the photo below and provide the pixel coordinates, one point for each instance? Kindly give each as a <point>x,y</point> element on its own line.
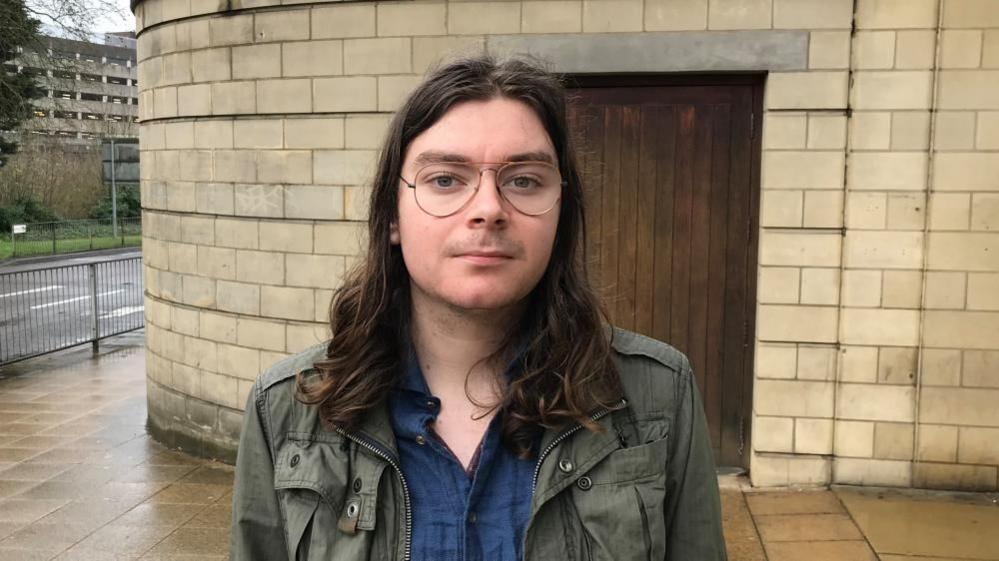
<point>567,371</point>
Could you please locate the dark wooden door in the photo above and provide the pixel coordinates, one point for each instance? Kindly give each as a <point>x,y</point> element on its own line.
<point>671,175</point>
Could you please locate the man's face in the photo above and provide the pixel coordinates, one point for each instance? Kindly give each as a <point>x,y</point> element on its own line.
<point>488,255</point>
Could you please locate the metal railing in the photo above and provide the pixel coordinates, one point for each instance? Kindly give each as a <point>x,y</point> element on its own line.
<point>50,309</point>
<point>67,236</point>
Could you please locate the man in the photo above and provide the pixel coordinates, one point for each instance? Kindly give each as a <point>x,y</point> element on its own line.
<point>472,403</point>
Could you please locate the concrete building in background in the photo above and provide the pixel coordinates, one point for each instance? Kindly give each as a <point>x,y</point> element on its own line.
<point>91,88</point>
<point>802,195</point>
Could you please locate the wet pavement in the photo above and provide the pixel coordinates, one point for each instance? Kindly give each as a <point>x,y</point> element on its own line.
<point>81,480</point>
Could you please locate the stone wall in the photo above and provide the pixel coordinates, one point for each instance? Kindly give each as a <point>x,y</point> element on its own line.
<point>877,344</point>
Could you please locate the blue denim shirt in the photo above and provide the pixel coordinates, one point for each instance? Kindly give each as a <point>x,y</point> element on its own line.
<point>457,518</point>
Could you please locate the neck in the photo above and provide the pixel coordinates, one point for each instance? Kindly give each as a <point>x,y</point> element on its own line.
<point>452,344</point>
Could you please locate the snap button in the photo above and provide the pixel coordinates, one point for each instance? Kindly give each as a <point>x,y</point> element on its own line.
<point>295,459</point>
<point>565,465</point>
<point>352,509</point>
<point>584,483</point>
<point>420,440</point>
<point>357,485</point>
<point>431,404</point>
<point>472,518</point>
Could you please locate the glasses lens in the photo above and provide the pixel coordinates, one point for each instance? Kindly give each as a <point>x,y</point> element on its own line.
<point>532,187</point>
<point>442,189</point>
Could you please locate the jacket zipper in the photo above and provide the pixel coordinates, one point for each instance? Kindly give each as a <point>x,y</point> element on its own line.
<point>402,479</point>
<point>599,414</point>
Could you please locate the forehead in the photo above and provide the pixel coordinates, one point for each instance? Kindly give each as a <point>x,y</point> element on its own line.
<point>484,131</point>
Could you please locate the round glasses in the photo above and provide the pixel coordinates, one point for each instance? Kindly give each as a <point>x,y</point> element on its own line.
<point>442,189</point>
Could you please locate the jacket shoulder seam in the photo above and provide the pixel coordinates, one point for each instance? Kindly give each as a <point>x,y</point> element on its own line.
<point>634,344</point>
<point>289,367</point>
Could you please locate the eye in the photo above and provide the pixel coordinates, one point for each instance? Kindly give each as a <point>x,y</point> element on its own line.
<point>523,182</point>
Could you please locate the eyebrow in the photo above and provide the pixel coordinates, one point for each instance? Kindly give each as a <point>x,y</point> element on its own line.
<point>438,157</point>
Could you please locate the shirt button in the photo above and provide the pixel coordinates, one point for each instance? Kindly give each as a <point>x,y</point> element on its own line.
<point>565,464</point>
<point>584,483</point>
<point>420,440</point>
<point>431,404</point>
<point>472,518</point>
<point>294,460</point>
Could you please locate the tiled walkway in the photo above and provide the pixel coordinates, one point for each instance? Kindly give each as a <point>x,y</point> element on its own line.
<point>81,480</point>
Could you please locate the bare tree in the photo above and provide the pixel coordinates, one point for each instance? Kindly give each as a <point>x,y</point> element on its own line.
<point>73,19</point>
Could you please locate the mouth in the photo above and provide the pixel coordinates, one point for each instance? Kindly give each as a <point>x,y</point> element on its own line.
<point>485,257</point>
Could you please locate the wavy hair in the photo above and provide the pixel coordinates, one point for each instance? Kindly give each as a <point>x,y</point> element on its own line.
<point>566,369</point>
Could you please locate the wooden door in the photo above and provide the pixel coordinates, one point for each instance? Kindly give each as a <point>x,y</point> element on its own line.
<point>671,175</point>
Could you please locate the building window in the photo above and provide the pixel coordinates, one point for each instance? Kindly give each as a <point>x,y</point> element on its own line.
<point>117,61</point>
<point>116,99</point>
<point>135,101</point>
<point>66,133</point>
<point>118,118</point>
<point>65,115</point>
<point>64,54</point>
<point>91,97</point>
<point>116,80</point>
<point>135,82</point>
<point>90,77</point>
<point>30,71</point>
<point>91,117</point>
<point>40,113</point>
<point>64,74</point>
<point>62,94</point>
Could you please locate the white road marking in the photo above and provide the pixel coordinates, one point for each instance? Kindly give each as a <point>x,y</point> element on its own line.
<point>58,302</point>
<point>32,291</point>
<point>121,312</point>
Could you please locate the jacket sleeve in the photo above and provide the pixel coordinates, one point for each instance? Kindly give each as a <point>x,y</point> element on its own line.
<point>257,533</point>
<point>693,507</point>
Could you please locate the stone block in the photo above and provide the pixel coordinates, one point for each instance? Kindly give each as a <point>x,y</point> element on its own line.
<point>816,362</point>
<point>213,134</point>
<point>214,198</point>
<point>233,98</point>
<point>314,132</point>
<point>985,212</point>
<point>896,14</point>
<point>854,439</point>
<point>558,16</point>
<point>966,171</point>
<point>344,167</point>
<point>897,365</point>
<point>870,130</point>
<point>289,95</point>
<point>288,303</point>
<point>211,65</point>
<point>861,288</point>
<point>950,476</point>
<point>773,434</point>
<point>865,326</point>
<point>236,232</point>
<point>823,209</point>
<point>963,89</point>
<point>955,251</point>
<point>238,297</point>
<point>978,446</point>
<point>902,289</point>
<point>804,249</point>
<point>959,406</point>
<point>403,19</point>
<point>284,166</point>
<point>945,290</point>
<point>165,102</point>
<point>820,286</point>
<point>217,327</point>
<point>343,20</point>
<point>950,211</point>
<point>803,170</point>
<point>829,50</point>
<point>940,367</point>
<point>826,132</point>
<point>355,202</point>
<point>910,130</point>
<point>813,436</point>
<point>874,50</point>
<point>936,443</point>
<point>180,196</point>
<point>199,291</point>
<point>778,285</point>
<point>194,100</point>
<point>217,262</point>
<point>866,210</point>
<point>195,165</point>
<point>293,237</point>
<point>393,90</point>
<point>219,389</point>
<point>303,335</point>
<point>792,398</point>
<point>806,90</point>
<point>200,354</point>
<point>283,25</point>
<point>955,130</point>
<point>883,249</point>
<point>312,58</point>
<point>776,360</point>
<point>171,286</point>
<point>260,334</point>
<point>179,135</point>
<point>862,471</point>
<point>740,14</point>
<point>260,267</point>
<point>970,13</point>
<point>892,171</point>
<point>987,131</point>
<point>983,291</point>
<point>256,61</point>
<point>345,94</point>
<point>812,324</point>
<point>784,130</point>
<point>429,51</point>
<point>258,133</point>
<point>895,90</point>
<point>259,200</point>
<point>812,14</point>
<point>990,49</point>
<point>866,402</point>
<point>960,48</point>
<point>182,320</point>
<point>483,18</point>
<point>981,369</point>
<point>231,30</point>
<point>390,55</point>
<point>317,202</point>
<point>323,300</point>
<point>954,329</point>
<point>315,271</point>
<point>860,364</point>
<point>781,209</point>
<point>237,361</point>
<point>364,131</point>
<point>607,16</point>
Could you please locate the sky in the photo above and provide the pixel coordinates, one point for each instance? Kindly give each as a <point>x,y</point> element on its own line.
<point>117,24</point>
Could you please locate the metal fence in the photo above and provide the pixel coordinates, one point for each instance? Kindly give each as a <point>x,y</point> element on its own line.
<point>48,238</point>
<point>46,310</point>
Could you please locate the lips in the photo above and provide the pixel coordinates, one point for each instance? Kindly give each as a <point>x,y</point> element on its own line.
<point>485,257</point>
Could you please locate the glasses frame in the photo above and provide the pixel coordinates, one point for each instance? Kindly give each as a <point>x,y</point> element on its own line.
<point>562,185</point>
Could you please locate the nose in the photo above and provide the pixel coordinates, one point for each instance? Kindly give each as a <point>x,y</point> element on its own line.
<point>487,206</point>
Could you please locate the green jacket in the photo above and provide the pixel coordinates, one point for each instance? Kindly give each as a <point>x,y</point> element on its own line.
<point>645,488</point>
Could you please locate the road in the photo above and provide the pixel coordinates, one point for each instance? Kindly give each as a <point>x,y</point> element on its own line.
<point>47,304</point>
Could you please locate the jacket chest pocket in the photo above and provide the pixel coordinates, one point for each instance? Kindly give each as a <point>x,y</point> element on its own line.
<point>619,504</point>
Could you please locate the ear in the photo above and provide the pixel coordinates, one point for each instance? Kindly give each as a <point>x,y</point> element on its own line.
<point>394,233</point>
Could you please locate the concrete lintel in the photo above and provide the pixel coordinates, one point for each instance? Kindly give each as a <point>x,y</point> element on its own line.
<point>674,51</point>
